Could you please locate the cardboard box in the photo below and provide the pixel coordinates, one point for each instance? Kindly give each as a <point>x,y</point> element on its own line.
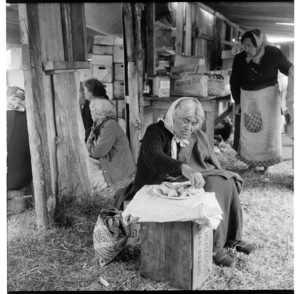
<point>176,252</point>
<point>135,227</point>
<point>190,85</point>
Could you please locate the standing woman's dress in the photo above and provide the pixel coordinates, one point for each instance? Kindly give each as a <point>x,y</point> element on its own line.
<point>255,87</point>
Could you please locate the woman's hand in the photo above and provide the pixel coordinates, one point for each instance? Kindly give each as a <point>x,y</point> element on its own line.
<point>194,176</point>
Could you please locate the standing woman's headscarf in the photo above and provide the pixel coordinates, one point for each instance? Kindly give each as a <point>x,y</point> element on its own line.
<point>261,41</point>
<point>168,122</point>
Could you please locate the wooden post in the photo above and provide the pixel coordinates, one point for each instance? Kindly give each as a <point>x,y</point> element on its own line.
<point>150,38</point>
<point>179,28</point>
<point>188,29</point>
<point>134,118</point>
<point>36,114</point>
<point>51,104</point>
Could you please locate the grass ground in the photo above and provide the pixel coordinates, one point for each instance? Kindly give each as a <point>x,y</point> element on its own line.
<point>63,259</point>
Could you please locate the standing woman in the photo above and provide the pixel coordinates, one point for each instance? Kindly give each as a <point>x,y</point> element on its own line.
<point>254,88</point>
<point>93,89</point>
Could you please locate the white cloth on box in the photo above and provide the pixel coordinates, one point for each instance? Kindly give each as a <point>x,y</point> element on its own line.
<point>146,206</point>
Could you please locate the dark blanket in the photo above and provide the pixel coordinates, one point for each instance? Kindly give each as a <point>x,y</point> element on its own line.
<point>19,174</point>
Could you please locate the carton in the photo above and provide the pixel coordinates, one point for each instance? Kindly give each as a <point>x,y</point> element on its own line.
<point>179,253</point>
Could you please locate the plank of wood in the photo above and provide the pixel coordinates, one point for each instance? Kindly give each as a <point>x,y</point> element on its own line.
<point>179,27</point>
<point>153,251</point>
<point>118,41</point>
<point>85,74</point>
<point>104,40</point>
<point>118,53</point>
<point>118,72</point>
<point>78,31</point>
<point>118,90</point>
<point>178,254</point>
<point>188,29</point>
<point>72,155</point>
<point>102,59</point>
<point>51,36</point>
<point>103,50</point>
<point>150,38</point>
<point>67,30</point>
<point>36,113</point>
<point>59,65</point>
<point>134,117</point>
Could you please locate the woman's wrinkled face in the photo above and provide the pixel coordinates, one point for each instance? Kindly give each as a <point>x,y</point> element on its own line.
<point>249,47</point>
<point>88,95</point>
<point>185,126</point>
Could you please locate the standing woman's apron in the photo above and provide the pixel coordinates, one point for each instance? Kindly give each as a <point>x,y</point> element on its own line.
<point>262,148</point>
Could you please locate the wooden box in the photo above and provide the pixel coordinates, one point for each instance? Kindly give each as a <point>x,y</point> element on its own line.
<point>102,59</point>
<point>103,73</point>
<point>118,53</point>
<point>103,50</point>
<point>109,90</point>
<point>176,252</point>
<point>118,72</point>
<point>119,90</point>
<point>104,40</point>
<point>118,41</point>
<point>85,74</point>
<point>14,58</point>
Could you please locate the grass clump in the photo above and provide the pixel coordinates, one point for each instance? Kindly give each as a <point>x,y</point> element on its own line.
<point>62,258</point>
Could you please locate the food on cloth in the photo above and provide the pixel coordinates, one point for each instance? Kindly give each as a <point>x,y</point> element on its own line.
<point>184,189</point>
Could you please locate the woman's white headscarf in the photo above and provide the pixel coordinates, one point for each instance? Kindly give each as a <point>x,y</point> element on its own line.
<point>261,41</point>
<point>168,122</point>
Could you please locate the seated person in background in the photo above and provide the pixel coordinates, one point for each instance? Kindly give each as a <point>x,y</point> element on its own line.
<point>19,173</point>
<point>175,148</point>
<point>93,89</point>
<point>110,155</point>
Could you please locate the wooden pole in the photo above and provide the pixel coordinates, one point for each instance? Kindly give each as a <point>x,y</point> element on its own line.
<point>134,117</point>
<point>45,199</point>
<point>179,28</point>
<point>150,38</point>
<point>188,29</point>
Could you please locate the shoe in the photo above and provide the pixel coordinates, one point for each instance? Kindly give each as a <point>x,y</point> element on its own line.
<point>266,171</point>
<point>222,259</point>
<point>249,171</point>
<point>242,246</point>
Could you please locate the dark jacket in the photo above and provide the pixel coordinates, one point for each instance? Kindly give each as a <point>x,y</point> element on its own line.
<point>87,118</point>
<point>19,173</point>
<point>108,143</point>
<point>251,76</point>
<point>155,161</point>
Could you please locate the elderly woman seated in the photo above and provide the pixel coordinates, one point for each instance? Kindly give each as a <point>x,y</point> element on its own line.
<point>110,156</point>
<point>176,149</point>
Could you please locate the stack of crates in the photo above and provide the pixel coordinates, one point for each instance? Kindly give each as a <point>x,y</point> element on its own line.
<point>107,65</point>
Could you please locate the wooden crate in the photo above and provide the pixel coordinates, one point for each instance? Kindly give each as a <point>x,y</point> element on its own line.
<point>176,252</point>
<point>102,59</point>
<point>118,72</point>
<point>85,74</point>
<point>119,90</point>
<point>104,40</point>
<point>109,90</point>
<point>103,73</point>
<point>119,53</point>
<point>103,50</point>
<point>118,41</point>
